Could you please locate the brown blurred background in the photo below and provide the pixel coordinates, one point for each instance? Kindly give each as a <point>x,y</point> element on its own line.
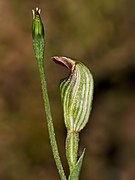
<point>101,34</point>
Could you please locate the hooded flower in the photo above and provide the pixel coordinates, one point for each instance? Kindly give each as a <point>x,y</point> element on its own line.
<point>76,94</point>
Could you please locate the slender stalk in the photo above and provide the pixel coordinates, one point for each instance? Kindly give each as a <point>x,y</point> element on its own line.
<point>50,123</point>
<point>39,45</point>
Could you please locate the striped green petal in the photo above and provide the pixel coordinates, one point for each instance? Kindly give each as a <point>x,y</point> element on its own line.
<point>76,94</point>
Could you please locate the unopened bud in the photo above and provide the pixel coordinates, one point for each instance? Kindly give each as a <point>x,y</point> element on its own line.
<point>38,29</point>
<point>38,35</point>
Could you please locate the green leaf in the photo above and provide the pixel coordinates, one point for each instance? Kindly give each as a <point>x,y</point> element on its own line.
<point>76,171</point>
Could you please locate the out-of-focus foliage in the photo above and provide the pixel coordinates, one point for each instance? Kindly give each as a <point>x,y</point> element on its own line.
<point>100,32</point>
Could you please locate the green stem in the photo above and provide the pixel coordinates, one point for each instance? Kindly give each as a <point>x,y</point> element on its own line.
<point>49,122</point>
<point>72,142</point>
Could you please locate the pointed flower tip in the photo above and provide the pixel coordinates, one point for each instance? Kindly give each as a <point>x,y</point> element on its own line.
<point>64,61</point>
<point>35,12</point>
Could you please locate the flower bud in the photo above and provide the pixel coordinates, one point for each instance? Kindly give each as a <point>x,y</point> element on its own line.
<point>37,29</point>
<point>76,94</point>
<point>38,35</point>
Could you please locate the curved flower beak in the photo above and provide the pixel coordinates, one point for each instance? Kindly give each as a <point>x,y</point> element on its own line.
<point>64,61</point>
